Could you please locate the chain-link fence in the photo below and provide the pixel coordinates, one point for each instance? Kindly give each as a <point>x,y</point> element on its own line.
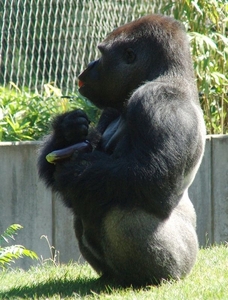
<point>43,41</point>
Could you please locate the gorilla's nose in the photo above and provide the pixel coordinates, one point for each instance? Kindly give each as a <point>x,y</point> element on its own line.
<point>91,64</point>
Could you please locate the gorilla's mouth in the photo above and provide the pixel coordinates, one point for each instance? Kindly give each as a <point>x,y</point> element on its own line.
<point>80,83</point>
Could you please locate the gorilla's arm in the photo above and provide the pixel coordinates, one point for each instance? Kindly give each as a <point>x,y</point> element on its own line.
<point>68,129</point>
<point>150,162</point>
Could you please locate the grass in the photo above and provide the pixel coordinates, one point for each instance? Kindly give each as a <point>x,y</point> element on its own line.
<point>208,280</point>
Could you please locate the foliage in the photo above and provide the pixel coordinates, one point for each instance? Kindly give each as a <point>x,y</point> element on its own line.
<point>208,280</point>
<point>10,253</point>
<point>207,24</point>
<point>27,116</point>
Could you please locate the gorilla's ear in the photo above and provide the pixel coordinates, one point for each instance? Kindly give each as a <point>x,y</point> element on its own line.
<point>129,56</point>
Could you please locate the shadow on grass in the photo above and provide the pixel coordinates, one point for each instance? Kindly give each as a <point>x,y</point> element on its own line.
<point>61,287</point>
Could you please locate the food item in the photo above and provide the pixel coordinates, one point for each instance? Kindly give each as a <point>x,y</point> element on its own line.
<point>67,152</point>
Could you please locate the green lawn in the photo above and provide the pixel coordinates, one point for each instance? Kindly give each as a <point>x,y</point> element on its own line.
<point>208,280</point>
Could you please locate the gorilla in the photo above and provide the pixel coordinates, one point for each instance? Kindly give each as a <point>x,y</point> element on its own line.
<point>126,181</point>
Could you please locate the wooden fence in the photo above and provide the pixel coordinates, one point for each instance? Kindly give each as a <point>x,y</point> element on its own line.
<point>25,200</point>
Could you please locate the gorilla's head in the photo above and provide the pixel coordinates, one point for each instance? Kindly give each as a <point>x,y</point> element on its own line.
<point>135,53</point>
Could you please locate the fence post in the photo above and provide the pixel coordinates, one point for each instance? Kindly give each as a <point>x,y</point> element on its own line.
<point>219,186</point>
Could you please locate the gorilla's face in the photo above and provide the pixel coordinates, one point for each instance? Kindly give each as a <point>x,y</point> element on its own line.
<point>129,57</point>
<point>109,81</point>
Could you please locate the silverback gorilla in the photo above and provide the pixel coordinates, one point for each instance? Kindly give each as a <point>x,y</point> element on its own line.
<point>127,180</point>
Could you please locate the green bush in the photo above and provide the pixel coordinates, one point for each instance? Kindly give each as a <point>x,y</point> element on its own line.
<point>207,24</point>
<point>27,116</point>
<point>8,254</point>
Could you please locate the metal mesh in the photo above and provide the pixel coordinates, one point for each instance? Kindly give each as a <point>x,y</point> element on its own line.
<point>45,41</point>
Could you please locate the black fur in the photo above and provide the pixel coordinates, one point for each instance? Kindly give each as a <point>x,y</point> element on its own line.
<point>133,219</point>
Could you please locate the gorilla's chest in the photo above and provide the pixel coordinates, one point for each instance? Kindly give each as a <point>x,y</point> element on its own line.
<point>112,135</point>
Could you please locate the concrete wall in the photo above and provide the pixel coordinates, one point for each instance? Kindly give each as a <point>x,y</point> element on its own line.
<point>25,200</point>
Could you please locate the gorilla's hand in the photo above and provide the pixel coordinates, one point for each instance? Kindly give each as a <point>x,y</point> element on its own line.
<point>68,129</point>
<point>71,127</point>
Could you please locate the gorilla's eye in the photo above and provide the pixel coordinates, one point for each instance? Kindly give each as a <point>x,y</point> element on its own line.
<point>129,56</point>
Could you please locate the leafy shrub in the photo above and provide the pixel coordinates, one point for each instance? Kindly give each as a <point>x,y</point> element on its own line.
<point>207,24</point>
<point>10,253</point>
<point>27,116</point>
